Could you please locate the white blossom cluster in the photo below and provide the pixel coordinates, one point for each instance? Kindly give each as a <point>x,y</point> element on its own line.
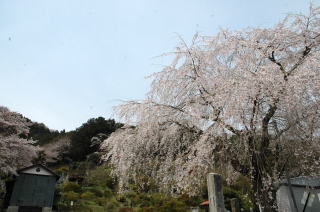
<point>144,155</point>
<point>15,150</point>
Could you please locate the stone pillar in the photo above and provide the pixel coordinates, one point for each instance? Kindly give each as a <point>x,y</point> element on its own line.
<point>215,193</point>
<point>46,209</point>
<point>261,209</point>
<point>13,209</point>
<point>194,209</point>
<point>235,205</point>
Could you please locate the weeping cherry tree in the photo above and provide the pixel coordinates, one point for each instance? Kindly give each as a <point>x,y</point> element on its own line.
<point>258,88</point>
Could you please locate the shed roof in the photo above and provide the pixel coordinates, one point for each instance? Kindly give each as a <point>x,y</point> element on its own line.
<point>24,170</point>
<point>302,181</point>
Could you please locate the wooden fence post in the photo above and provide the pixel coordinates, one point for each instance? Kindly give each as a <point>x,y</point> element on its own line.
<point>235,205</point>
<point>215,193</point>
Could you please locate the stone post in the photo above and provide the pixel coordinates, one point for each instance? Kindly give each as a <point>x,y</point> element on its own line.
<point>261,209</point>
<point>13,209</point>
<point>46,209</point>
<point>215,193</point>
<point>235,205</point>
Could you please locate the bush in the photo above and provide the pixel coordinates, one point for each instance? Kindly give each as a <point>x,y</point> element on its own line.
<point>87,195</point>
<point>172,205</point>
<point>230,193</point>
<point>125,209</point>
<point>70,196</point>
<point>101,176</point>
<point>71,186</point>
<point>98,192</point>
<point>61,170</point>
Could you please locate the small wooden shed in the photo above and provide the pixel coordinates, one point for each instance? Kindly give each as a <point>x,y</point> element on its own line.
<point>33,190</point>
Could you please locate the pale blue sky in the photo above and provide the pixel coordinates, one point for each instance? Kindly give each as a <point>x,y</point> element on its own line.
<point>65,61</point>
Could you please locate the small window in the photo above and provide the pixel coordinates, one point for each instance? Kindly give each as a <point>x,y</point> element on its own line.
<point>38,169</point>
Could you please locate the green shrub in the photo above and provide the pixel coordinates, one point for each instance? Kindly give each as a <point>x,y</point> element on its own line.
<point>61,169</point>
<point>87,195</point>
<point>70,195</point>
<point>230,193</point>
<point>71,186</point>
<point>97,191</point>
<point>173,205</point>
<point>125,210</point>
<point>101,176</point>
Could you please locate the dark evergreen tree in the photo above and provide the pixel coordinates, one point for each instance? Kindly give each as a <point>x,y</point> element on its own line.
<point>82,142</point>
<point>42,134</point>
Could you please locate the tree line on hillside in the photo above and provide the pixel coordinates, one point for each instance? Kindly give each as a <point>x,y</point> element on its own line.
<point>75,145</point>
